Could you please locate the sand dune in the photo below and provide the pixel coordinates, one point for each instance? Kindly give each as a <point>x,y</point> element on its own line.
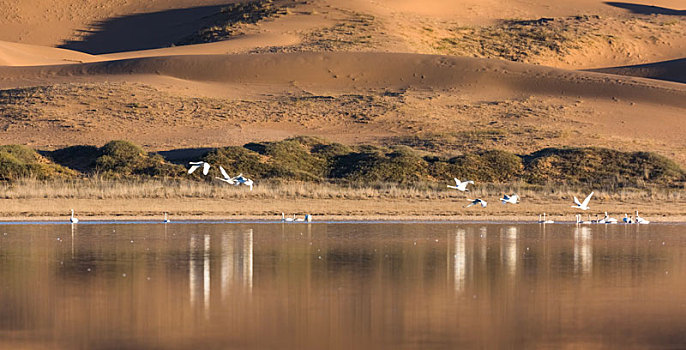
<point>15,54</point>
<point>355,71</point>
<point>674,70</point>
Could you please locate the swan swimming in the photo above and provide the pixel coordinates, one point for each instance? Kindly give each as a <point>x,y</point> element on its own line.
<point>461,186</point>
<point>583,205</point>
<point>285,219</point>
<point>640,220</point>
<point>72,219</point>
<point>477,201</point>
<point>513,199</point>
<point>608,220</point>
<point>543,220</point>
<point>166,218</point>
<point>195,165</point>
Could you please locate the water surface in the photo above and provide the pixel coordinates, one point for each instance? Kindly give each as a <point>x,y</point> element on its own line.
<point>342,286</point>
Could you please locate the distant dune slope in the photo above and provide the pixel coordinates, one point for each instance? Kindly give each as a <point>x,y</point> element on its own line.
<point>674,70</point>
<point>353,71</point>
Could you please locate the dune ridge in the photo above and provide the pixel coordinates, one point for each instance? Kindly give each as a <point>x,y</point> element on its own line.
<point>351,71</point>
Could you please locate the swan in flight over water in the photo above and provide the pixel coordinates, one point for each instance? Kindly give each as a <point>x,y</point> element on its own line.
<point>72,219</point>
<point>195,165</point>
<point>226,178</point>
<point>242,180</point>
<point>583,205</point>
<point>477,201</point>
<point>461,186</point>
<point>513,199</point>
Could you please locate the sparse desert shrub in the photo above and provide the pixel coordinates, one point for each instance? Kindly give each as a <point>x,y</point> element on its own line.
<point>125,159</point>
<point>18,161</point>
<point>601,166</point>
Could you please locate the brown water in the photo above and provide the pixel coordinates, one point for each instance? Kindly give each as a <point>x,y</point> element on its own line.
<point>344,286</point>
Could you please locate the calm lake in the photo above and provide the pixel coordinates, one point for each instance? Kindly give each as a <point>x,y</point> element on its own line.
<point>342,286</point>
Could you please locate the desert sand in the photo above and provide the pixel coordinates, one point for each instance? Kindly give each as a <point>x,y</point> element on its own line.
<point>540,73</point>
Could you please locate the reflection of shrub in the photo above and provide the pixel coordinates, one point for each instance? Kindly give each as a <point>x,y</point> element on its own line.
<point>21,162</point>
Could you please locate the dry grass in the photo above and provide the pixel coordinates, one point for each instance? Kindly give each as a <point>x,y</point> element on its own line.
<point>100,188</point>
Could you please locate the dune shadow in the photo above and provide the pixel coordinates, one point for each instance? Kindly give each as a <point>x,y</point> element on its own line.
<point>143,31</point>
<point>646,9</point>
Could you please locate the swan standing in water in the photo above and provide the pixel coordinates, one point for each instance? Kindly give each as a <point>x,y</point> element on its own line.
<point>583,205</point>
<point>477,201</point>
<point>195,165</point>
<point>461,186</point>
<point>513,199</point>
<point>72,219</point>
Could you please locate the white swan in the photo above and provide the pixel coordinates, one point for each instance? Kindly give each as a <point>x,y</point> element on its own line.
<point>242,180</point>
<point>543,220</point>
<point>627,219</point>
<point>166,218</point>
<point>477,201</point>
<point>72,219</point>
<point>608,220</point>
<point>513,199</point>
<point>307,218</point>
<point>584,204</point>
<point>461,186</point>
<point>285,219</point>
<point>195,165</point>
<point>226,178</point>
<point>640,220</point>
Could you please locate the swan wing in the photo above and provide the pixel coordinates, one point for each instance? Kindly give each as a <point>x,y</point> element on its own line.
<point>193,168</point>
<point>457,182</point>
<point>587,200</point>
<point>205,168</point>
<point>576,201</point>
<point>224,173</point>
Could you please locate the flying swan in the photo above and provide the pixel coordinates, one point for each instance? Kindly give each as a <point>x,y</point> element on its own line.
<point>584,205</point>
<point>461,186</point>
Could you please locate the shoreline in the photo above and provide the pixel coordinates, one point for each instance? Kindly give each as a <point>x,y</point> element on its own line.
<point>346,210</point>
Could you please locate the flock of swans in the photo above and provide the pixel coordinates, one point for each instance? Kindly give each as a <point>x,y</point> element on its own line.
<point>542,219</point>
<point>459,185</point>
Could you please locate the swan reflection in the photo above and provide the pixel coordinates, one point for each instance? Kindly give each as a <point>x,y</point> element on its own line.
<point>583,251</point>
<point>234,251</point>
<point>509,248</point>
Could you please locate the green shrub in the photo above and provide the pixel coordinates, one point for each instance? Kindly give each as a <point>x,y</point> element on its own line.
<point>18,161</point>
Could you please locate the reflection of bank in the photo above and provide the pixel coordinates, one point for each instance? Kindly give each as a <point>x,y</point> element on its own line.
<point>235,253</point>
<point>583,251</point>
